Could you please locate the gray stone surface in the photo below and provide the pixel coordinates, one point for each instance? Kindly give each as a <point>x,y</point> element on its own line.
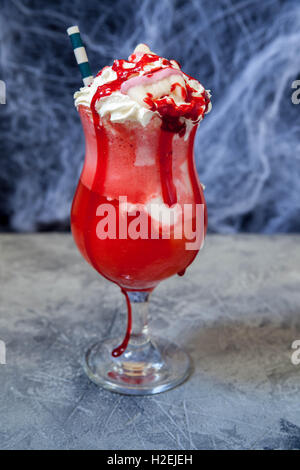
<point>237,311</point>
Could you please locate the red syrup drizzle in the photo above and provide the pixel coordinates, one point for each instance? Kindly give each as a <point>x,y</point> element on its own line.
<point>123,346</point>
<point>172,123</point>
<point>166,173</point>
<point>182,273</point>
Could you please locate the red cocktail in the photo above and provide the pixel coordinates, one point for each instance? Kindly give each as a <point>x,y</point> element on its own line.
<point>130,162</point>
<point>139,214</point>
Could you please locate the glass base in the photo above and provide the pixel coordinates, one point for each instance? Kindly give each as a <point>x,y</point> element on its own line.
<point>145,369</point>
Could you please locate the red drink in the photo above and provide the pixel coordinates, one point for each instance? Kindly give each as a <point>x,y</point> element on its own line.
<point>148,166</point>
<point>139,213</point>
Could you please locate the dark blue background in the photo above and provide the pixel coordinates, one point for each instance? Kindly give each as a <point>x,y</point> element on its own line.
<point>246,51</point>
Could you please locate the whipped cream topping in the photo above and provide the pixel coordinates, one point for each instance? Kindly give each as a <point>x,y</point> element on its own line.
<point>144,86</point>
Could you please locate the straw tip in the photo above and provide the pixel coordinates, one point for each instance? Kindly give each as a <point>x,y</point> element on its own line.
<point>72,30</point>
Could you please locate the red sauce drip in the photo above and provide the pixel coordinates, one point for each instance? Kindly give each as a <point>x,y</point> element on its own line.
<point>182,273</point>
<point>166,172</point>
<point>123,346</point>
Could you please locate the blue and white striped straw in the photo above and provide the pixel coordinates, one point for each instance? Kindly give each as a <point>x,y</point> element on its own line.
<point>80,55</point>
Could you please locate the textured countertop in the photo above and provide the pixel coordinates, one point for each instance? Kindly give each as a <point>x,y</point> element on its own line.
<point>237,311</point>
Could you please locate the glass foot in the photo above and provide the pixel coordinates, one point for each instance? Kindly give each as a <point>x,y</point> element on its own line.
<point>142,370</point>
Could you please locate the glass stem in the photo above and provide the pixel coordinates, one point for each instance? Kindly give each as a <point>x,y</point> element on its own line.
<point>140,308</point>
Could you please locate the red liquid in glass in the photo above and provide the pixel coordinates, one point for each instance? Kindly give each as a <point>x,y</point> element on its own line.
<point>139,163</point>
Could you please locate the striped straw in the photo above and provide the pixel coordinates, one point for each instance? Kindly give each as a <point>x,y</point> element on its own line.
<point>80,55</point>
